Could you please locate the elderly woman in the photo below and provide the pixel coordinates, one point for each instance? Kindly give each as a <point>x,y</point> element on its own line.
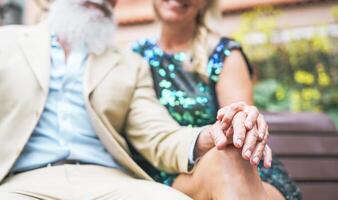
<point>196,71</point>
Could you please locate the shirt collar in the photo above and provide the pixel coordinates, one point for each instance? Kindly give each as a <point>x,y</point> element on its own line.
<point>56,44</point>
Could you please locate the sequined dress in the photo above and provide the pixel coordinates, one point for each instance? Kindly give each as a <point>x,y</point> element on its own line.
<point>192,101</point>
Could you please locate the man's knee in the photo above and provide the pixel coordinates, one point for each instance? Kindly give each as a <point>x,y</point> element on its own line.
<point>153,191</point>
<point>140,190</point>
<point>13,196</point>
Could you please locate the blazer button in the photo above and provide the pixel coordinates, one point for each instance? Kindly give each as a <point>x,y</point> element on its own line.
<point>37,115</point>
<point>18,152</point>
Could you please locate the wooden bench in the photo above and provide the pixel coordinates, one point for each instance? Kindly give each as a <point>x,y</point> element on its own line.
<point>307,144</point>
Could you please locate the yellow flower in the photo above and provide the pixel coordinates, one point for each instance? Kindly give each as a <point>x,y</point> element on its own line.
<point>323,77</point>
<point>309,94</point>
<point>304,77</point>
<point>280,93</point>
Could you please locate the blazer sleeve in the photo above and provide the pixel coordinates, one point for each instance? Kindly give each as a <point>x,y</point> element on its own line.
<point>153,132</point>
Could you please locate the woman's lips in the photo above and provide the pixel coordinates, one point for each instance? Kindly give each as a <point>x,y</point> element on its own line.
<point>177,4</point>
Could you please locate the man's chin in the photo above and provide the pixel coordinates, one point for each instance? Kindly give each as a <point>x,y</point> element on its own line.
<point>81,28</point>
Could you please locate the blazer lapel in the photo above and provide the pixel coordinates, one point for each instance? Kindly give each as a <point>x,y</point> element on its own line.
<point>35,44</point>
<point>98,67</point>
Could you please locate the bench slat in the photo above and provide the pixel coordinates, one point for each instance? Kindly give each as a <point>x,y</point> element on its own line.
<point>304,145</point>
<point>315,191</point>
<point>304,122</point>
<point>314,169</point>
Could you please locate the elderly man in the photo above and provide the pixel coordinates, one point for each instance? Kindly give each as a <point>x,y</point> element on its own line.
<point>70,102</point>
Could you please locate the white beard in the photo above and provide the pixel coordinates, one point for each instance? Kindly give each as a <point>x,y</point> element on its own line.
<point>81,27</point>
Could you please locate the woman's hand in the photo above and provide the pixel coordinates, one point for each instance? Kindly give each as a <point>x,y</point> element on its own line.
<point>243,126</point>
<point>239,114</point>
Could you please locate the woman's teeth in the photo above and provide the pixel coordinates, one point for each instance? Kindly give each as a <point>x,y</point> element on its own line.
<point>178,3</point>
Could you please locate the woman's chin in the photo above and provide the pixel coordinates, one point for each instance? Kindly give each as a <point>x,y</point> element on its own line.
<point>170,19</point>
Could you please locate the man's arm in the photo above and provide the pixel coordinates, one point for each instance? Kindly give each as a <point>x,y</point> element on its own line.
<point>154,133</point>
<point>162,141</point>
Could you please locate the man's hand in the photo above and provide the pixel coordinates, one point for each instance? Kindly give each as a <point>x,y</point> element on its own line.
<point>241,125</point>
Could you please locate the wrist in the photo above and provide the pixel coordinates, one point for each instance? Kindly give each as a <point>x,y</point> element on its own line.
<point>204,143</point>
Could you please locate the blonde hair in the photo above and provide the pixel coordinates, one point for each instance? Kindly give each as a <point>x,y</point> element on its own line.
<point>207,22</point>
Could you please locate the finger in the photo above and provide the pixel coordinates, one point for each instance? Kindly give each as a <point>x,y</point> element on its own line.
<point>239,129</point>
<point>221,112</point>
<point>218,136</point>
<point>229,135</point>
<point>250,143</point>
<point>253,114</point>
<point>226,115</point>
<point>258,153</point>
<point>262,126</point>
<point>237,105</point>
<point>229,132</point>
<point>267,157</point>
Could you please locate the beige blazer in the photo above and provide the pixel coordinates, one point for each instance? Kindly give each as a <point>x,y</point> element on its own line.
<point>119,98</point>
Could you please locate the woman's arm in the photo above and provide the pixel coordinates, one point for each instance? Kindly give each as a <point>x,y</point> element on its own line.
<point>235,85</point>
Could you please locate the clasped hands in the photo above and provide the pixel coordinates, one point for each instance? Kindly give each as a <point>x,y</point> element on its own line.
<point>240,125</point>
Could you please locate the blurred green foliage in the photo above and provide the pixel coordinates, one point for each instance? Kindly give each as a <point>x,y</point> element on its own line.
<point>297,75</point>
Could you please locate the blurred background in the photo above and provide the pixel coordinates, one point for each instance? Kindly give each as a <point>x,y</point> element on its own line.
<point>293,46</point>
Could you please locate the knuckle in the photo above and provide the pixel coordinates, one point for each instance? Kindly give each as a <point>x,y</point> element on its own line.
<point>233,107</point>
<point>254,109</point>
<point>266,136</point>
<point>226,119</point>
<point>261,116</point>
<point>242,134</point>
<point>242,103</point>
<point>242,114</point>
<point>248,148</point>
<point>222,110</point>
<point>261,146</point>
<point>254,134</point>
<point>252,145</point>
<point>264,124</point>
<point>265,140</point>
<point>258,154</point>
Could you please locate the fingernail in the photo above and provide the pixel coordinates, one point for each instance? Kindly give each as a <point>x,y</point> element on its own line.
<point>248,154</point>
<point>239,142</point>
<point>256,160</point>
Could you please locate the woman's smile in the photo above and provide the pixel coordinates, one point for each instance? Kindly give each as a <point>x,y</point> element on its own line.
<point>177,5</point>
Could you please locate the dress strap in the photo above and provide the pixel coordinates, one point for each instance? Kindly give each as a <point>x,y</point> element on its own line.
<point>222,50</point>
